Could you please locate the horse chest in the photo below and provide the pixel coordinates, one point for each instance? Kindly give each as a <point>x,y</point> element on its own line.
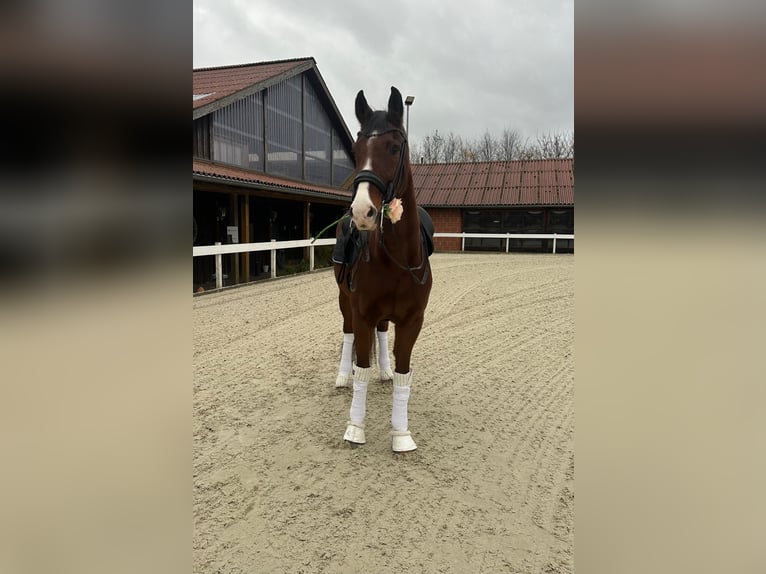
<point>386,300</point>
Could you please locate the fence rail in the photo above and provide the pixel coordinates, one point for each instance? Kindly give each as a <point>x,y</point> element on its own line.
<point>218,249</point>
<point>507,237</point>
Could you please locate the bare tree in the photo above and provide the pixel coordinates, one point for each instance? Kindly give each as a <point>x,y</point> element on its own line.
<point>510,143</point>
<point>571,145</point>
<point>485,147</point>
<point>528,151</point>
<point>437,148</point>
<point>416,152</point>
<point>556,145</point>
<point>466,152</point>
<point>452,145</point>
<point>427,149</point>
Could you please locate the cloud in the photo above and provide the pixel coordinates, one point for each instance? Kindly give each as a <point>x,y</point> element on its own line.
<point>488,65</point>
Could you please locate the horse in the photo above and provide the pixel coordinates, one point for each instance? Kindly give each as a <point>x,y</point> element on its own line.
<point>389,279</point>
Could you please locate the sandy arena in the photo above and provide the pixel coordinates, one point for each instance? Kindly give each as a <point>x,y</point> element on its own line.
<point>491,486</point>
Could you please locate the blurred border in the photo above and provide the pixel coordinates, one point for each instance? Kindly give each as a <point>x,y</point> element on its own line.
<point>95,338</point>
<point>95,324</point>
<point>670,116</point>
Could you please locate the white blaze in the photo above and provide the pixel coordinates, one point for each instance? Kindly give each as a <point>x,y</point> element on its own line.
<point>362,203</point>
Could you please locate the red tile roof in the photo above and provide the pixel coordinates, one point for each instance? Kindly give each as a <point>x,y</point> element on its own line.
<point>223,81</point>
<point>206,170</point>
<point>495,183</point>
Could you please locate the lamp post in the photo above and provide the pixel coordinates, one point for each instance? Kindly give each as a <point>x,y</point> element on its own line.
<point>408,102</point>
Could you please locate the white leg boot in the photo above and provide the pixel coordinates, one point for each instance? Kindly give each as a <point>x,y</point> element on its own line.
<point>401,437</point>
<point>344,378</point>
<point>355,427</point>
<point>384,361</point>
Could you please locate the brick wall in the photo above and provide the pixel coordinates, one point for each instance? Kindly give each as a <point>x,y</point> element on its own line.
<point>446,221</point>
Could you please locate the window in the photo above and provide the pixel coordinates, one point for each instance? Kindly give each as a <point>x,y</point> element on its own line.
<point>238,133</point>
<point>285,138</point>
<point>342,165</point>
<point>561,221</point>
<point>318,134</point>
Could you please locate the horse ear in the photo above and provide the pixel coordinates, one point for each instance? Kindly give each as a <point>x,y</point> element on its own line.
<point>395,108</point>
<point>363,111</point>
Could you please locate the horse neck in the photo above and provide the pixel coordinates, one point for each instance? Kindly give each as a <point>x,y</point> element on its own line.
<point>403,238</point>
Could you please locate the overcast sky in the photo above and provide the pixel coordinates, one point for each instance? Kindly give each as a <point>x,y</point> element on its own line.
<point>472,65</point>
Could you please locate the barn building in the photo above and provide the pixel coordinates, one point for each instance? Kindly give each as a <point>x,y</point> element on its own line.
<point>272,159</point>
<point>271,155</point>
<point>522,196</point>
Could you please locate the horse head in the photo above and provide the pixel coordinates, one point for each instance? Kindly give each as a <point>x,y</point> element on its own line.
<point>381,159</point>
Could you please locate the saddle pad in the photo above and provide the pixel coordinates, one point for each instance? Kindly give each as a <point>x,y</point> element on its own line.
<point>350,242</point>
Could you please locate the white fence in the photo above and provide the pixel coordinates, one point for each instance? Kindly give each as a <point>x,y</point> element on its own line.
<point>507,237</point>
<point>218,250</point>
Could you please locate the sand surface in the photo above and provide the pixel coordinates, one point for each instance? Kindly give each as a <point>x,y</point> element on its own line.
<point>491,486</point>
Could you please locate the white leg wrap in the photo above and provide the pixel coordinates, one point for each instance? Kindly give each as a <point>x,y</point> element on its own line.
<point>384,362</point>
<point>359,400</point>
<point>401,398</point>
<point>401,440</point>
<point>344,368</point>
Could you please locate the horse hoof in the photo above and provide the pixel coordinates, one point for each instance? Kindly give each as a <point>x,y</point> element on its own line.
<point>343,381</point>
<point>402,441</point>
<point>386,374</point>
<point>354,434</point>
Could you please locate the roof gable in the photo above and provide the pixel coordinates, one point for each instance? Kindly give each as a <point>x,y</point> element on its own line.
<point>215,88</point>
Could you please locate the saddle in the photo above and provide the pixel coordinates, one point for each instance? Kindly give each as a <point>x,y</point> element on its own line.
<point>351,242</point>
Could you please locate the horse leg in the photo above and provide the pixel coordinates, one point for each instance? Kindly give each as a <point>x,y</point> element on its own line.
<point>384,363</point>
<point>406,335</point>
<point>344,377</point>
<point>355,427</point>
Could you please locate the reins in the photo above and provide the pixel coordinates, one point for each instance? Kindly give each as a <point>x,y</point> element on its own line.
<point>423,258</point>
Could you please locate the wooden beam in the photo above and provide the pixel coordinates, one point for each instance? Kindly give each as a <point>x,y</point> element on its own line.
<point>307,225</point>
<point>245,235</point>
<point>234,211</point>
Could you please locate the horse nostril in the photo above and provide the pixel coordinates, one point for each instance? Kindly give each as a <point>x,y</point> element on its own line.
<point>371,212</point>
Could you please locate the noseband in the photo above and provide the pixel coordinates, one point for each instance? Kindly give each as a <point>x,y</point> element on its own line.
<point>387,189</point>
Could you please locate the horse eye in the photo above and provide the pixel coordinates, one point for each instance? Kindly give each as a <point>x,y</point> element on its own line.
<point>395,149</point>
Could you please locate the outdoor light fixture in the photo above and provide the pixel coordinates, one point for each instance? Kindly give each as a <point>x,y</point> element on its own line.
<point>408,102</point>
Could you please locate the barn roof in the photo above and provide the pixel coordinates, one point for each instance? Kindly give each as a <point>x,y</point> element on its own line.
<point>209,171</point>
<point>495,183</point>
<point>230,83</point>
<point>215,88</point>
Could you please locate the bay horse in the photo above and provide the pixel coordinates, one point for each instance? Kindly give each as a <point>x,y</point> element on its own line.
<point>390,278</point>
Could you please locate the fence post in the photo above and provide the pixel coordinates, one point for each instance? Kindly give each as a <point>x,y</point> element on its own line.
<point>554,243</point>
<point>311,256</point>
<point>462,244</point>
<point>273,259</point>
<point>507,241</point>
<point>218,269</point>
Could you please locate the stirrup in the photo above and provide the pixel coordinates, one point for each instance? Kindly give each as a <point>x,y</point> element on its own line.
<point>354,433</point>
<point>401,441</point>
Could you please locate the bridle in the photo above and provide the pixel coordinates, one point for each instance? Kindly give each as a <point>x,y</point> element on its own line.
<point>389,193</point>
<point>387,189</point>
